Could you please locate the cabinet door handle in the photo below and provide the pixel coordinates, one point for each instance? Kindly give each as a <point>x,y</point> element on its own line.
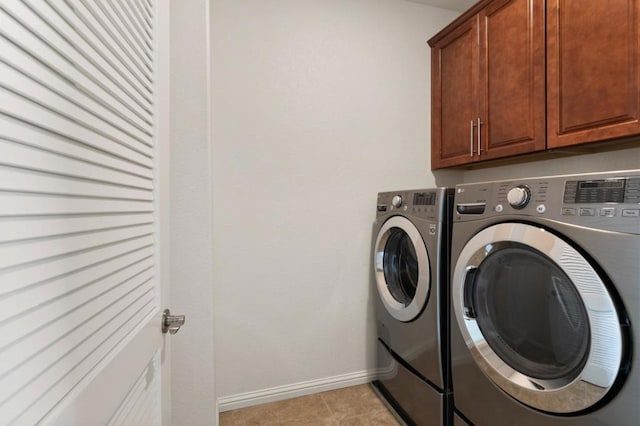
<point>479,137</point>
<point>471,140</point>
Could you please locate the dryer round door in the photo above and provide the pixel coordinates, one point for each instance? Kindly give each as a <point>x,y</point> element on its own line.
<point>401,265</point>
<point>537,318</point>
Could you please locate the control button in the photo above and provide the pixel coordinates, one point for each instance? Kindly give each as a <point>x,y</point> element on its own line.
<point>587,211</point>
<point>382,207</point>
<point>519,196</point>
<point>499,208</point>
<point>405,208</point>
<point>568,211</point>
<point>631,213</point>
<point>608,211</point>
<point>541,208</point>
<point>396,201</point>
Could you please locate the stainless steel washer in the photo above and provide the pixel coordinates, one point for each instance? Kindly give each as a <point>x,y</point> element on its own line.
<point>410,270</point>
<point>545,295</point>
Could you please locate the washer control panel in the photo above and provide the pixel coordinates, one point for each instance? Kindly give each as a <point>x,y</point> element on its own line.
<point>611,198</point>
<point>529,195</point>
<point>608,201</point>
<point>599,191</point>
<point>519,196</point>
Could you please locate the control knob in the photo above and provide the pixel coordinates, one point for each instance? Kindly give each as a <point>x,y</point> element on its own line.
<point>396,201</point>
<point>519,196</point>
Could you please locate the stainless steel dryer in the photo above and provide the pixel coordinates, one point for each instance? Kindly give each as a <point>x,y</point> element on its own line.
<point>410,268</point>
<point>546,300</point>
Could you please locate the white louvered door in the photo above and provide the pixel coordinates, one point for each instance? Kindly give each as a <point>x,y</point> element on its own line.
<point>80,138</point>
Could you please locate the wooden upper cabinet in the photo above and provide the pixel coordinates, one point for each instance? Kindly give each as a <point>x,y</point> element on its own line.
<point>454,94</point>
<point>592,70</point>
<point>488,84</point>
<point>512,73</point>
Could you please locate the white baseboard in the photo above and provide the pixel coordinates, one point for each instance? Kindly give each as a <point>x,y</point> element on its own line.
<point>279,393</point>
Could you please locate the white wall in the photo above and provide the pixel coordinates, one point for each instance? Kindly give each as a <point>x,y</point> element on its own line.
<point>317,106</point>
<point>192,378</point>
<point>591,162</point>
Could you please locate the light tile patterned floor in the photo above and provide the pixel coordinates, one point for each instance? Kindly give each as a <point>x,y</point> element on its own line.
<point>353,406</point>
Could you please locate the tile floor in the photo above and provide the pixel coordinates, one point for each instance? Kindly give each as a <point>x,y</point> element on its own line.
<point>353,406</point>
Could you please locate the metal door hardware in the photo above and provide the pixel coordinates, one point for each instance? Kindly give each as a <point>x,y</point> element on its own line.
<point>171,323</point>
<point>480,123</point>
<point>471,140</point>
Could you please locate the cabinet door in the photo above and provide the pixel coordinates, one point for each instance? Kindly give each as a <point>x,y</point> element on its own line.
<point>593,74</point>
<point>512,72</point>
<point>454,90</point>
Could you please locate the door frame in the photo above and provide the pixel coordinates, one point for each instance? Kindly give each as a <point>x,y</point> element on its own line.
<point>163,195</point>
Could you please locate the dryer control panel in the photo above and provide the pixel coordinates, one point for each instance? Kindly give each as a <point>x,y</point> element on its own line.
<point>609,201</point>
<point>420,203</point>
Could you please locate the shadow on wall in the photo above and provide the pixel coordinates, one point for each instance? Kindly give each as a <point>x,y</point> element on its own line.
<point>623,159</point>
<point>372,295</point>
<point>448,178</point>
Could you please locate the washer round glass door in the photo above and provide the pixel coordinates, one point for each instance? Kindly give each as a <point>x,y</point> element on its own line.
<point>537,318</point>
<point>401,268</point>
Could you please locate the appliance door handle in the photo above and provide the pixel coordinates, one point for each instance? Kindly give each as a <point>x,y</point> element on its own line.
<point>467,292</point>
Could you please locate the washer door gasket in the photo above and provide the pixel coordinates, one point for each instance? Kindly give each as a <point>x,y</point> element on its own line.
<point>549,381</point>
